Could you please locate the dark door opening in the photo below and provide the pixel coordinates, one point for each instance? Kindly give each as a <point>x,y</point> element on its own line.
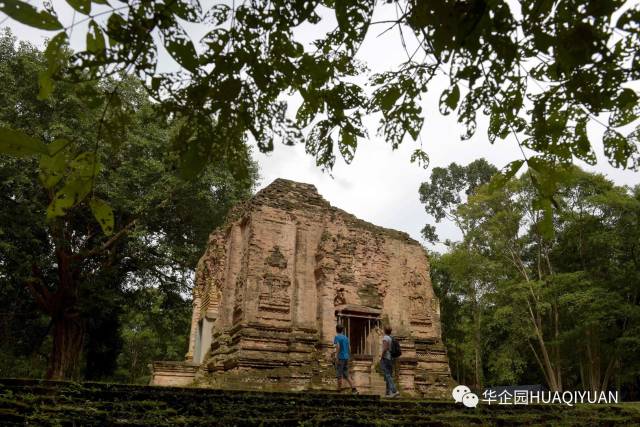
<point>359,330</point>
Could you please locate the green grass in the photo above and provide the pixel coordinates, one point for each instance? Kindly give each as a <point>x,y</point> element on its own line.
<point>33,402</point>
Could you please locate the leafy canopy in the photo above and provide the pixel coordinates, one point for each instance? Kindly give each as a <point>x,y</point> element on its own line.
<point>67,266</point>
<point>541,70</point>
<point>563,310</point>
<point>448,188</point>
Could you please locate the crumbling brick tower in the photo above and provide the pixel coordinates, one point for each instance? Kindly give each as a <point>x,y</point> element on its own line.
<point>275,280</point>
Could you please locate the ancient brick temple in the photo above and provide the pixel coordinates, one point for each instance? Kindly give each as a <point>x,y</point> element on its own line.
<point>274,281</point>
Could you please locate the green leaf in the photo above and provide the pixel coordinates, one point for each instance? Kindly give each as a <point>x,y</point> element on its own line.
<point>180,47</point>
<point>230,89</point>
<point>55,51</point>
<point>508,172</point>
<point>103,214</point>
<point>187,10</point>
<point>57,146</point>
<point>218,14</point>
<point>18,143</point>
<point>320,145</point>
<point>82,6</point>
<point>449,99</point>
<point>196,156</point>
<point>626,110</point>
<point>511,169</point>
<point>45,84</point>
<point>216,39</point>
<point>617,148</point>
<point>353,21</point>
<point>85,165</point>
<point>467,117</point>
<point>95,38</point>
<point>421,157</point>
<point>389,98</point>
<point>77,186</point>
<point>56,59</point>
<point>348,143</point>
<point>117,29</point>
<point>73,192</point>
<point>53,166</point>
<point>583,148</point>
<point>546,222</point>
<point>26,14</point>
<point>494,127</point>
<point>342,16</point>
<point>155,83</point>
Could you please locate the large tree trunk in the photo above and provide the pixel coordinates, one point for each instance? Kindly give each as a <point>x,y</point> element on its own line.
<point>60,300</point>
<point>478,351</point>
<point>68,327</point>
<point>545,360</point>
<point>556,347</point>
<point>68,337</point>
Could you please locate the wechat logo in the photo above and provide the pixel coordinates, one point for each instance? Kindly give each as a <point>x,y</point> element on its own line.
<point>463,394</point>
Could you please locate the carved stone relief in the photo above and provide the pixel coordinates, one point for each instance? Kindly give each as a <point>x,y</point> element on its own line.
<point>420,306</point>
<point>370,295</point>
<point>419,309</point>
<point>339,298</point>
<point>274,289</point>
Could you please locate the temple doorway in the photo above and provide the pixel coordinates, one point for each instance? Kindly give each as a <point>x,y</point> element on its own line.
<point>362,327</point>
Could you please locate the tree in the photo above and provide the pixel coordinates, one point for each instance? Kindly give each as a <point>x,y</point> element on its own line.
<point>470,278</point>
<point>540,70</point>
<point>155,326</point>
<point>443,195</point>
<point>448,188</point>
<point>75,267</point>
<point>508,226</point>
<point>565,303</point>
<point>597,237</point>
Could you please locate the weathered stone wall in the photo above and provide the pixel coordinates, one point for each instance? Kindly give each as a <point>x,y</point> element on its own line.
<point>270,282</point>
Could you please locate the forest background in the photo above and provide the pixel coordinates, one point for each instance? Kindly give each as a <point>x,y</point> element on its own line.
<point>546,295</point>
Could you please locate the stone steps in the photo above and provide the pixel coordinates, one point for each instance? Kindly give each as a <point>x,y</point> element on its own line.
<point>34,402</point>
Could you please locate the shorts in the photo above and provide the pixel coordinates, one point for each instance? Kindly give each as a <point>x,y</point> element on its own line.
<point>342,368</point>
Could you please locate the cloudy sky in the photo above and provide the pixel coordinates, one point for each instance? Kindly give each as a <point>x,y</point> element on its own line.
<point>380,185</point>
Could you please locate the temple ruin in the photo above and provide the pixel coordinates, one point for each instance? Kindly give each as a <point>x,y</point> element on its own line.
<point>277,277</point>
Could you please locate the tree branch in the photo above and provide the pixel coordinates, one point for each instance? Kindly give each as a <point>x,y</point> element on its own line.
<point>39,292</point>
<point>108,244</point>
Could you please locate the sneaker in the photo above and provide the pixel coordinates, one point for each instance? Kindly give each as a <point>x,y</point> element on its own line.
<point>354,391</point>
<point>396,394</point>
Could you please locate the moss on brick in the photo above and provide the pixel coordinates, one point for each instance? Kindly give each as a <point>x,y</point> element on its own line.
<point>95,404</point>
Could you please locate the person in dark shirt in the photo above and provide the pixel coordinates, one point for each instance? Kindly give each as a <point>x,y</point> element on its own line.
<point>341,358</point>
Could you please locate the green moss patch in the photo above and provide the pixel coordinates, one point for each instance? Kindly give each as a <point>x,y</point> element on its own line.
<point>27,402</point>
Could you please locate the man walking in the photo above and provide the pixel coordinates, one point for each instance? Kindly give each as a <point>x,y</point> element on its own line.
<point>341,358</point>
<point>387,363</point>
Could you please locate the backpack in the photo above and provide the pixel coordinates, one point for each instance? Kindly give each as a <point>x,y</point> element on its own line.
<point>395,348</point>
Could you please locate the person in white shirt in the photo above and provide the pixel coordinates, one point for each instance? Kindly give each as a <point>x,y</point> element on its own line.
<point>387,363</point>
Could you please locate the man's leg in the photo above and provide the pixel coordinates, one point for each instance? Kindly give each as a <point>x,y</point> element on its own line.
<point>347,377</point>
<point>387,368</point>
<point>350,381</point>
<point>387,392</point>
<point>385,372</point>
